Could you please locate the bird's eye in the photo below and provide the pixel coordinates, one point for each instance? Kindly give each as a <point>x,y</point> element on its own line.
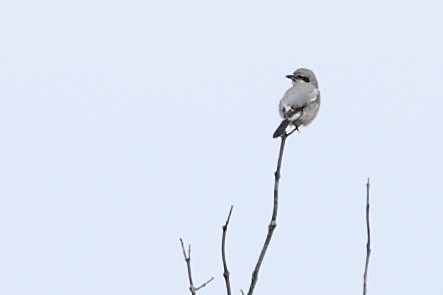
<point>306,79</point>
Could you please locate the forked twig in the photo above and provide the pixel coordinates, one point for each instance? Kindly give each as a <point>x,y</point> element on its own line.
<point>187,257</point>
<point>225,264</point>
<point>368,244</point>
<point>273,223</point>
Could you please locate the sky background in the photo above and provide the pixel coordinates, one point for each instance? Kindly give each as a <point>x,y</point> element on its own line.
<point>126,125</point>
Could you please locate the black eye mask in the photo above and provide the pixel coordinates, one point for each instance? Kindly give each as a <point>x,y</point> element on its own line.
<point>303,78</point>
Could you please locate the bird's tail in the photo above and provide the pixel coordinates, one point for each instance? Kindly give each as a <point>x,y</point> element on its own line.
<point>281,129</point>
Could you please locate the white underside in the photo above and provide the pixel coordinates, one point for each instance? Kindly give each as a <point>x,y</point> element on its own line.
<point>290,129</point>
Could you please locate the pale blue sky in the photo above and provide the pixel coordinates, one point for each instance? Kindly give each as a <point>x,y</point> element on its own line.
<point>126,125</point>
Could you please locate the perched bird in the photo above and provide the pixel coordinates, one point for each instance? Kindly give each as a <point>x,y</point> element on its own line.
<point>300,104</point>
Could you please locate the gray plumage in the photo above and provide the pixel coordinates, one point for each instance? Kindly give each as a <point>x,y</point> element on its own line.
<point>300,104</point>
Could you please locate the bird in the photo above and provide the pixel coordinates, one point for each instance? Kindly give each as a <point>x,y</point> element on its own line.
<point>300,104</point>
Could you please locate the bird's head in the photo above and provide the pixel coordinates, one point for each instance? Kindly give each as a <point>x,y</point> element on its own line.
<point>303,76</point>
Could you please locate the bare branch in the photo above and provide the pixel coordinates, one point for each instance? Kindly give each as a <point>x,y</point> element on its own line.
<point>204,284</point>
<point>187,257</point>
<point>225,264</point>
<point>368,244</point>
<point>273,223</point>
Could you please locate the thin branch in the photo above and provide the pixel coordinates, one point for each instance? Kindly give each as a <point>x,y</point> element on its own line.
<point>368,244</point>
<point>225,264</point>
<point>273,223</point>
<point>187,257</point>
<point>204,284</point>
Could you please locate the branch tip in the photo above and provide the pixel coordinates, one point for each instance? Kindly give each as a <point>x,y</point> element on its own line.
<point>368,243</point>
<point>187,257</point>
<point>223,250</point>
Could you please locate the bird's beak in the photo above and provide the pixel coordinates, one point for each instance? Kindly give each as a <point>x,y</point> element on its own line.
<point>292,77</point>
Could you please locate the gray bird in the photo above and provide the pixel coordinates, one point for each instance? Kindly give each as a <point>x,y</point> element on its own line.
<point>300,104</point>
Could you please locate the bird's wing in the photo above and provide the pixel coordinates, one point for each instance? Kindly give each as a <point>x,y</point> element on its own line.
<point>296,98</point>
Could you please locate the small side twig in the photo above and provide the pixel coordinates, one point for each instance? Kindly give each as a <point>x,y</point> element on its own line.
<point>368,244</point>
<point>273,223</point>
<point>187,257</point>
<point>225,264</point>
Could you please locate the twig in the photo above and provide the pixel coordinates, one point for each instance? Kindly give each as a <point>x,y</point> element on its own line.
<point>204,284</point>
<point>273,223</point>
<point>187,256</point>
<point>368,244</point>
<point>225,264</point>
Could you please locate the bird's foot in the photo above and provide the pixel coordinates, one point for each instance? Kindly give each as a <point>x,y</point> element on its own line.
<point>295,129</point>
